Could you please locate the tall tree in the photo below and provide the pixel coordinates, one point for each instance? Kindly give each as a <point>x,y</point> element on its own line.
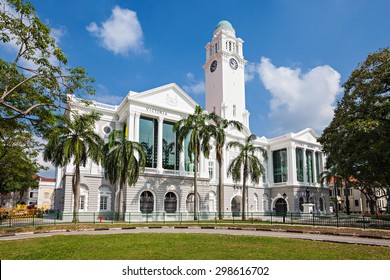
<point>199,131</point>
<point>124,161</point>
<point>18,165</point>
<point>332,175</point>
<point>221,125</point>
<point>358,138</point>
<point>248,164</point>
<point>73,140</point>
<point>34,79</point>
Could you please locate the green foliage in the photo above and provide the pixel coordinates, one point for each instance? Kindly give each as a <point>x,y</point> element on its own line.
<point>246,163</point>
<point>358,138</point>
<point>196,127</point>
<point>73,140</point>
<point>221,125</point>
<point>35,82</point>
<point>124,161</point>
<point>18,167</point>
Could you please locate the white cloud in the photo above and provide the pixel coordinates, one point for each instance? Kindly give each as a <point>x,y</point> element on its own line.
<point>194,86</point>
<point>300,100</point>
<point>250,71</point>
<point>121,33</point>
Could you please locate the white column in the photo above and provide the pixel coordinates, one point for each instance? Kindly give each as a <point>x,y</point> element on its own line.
<point>160,144</point>
<point>314,168</point>
<point>181,162</point>
<point>130,127</point>
<point>136,127</point>
<point>293,165</point>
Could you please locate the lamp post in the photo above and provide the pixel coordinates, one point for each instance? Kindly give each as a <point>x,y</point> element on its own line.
<point>284,208</point>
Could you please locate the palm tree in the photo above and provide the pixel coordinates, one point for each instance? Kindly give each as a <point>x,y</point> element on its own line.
<point>124,161</point>
<point>248,162</point>
<point>332,174</point>
<point>221,125</point>
<point>195,126</point>
<point>73,140</point>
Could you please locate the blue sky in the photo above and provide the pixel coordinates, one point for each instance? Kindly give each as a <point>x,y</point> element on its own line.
<point>299,52</point>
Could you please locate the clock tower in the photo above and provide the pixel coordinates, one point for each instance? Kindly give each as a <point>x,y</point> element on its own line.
<point>224,70</point>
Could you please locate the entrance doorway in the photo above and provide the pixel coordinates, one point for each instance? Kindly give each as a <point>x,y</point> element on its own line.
<point>281,207</point>
<point>236,206</point>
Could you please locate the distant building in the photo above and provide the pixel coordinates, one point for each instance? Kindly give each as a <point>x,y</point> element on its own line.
<point>45,195</point>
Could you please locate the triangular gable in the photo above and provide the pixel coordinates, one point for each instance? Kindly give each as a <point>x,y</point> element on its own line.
<point>170,96</point>
<point>306,135</point>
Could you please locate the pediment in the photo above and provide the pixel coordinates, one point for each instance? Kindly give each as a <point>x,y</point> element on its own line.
<point>170,96</point>
<point>306,135</point>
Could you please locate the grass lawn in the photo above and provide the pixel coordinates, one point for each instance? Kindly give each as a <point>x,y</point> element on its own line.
<point>183,247</point>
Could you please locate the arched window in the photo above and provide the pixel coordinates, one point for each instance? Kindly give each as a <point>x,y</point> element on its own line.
<point>236,205</point>
<point>170,202</point>
<point>146,202</point>
<point>301,201</point>
<point>190,203</point>
<point>321,202</point>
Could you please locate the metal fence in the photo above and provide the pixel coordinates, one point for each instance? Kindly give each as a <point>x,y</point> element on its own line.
<point>56,218</point>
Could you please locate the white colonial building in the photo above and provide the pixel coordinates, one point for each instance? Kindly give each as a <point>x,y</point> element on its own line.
<point>166,188</point>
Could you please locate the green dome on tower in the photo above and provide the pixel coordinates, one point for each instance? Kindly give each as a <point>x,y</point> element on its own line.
<point>224,24</point>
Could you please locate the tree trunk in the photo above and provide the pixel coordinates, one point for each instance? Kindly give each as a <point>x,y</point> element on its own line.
<point>244,198</point>
<point>76,193</point>
<point>220,191</point>
<point>195,183</point>
<point>120,199</point>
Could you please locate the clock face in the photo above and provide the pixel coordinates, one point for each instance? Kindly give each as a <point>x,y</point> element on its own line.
<point>213,66</point>
<point>233,63</point>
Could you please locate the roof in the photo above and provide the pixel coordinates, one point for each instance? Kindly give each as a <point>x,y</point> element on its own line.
<point>43,179</point>
<point>224,24</point>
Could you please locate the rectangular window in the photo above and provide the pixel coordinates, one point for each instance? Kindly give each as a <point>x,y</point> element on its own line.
<point>356,203</point>
<point>309,167</point>
<point>82,202</point>
<point>148,139</point>
<point>188,158</point>
<point>103,203</point>
<point>170,158</point>
<point>234,110</point>
<point>319,163</point>
<point>280,165</point>
<point>299,162</point>
<point>211,169</point>
<point>31,194</point>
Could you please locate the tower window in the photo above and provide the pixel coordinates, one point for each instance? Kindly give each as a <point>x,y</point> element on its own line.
<point>230,46</point>
<point>216,47</point>
<point>234,110</point>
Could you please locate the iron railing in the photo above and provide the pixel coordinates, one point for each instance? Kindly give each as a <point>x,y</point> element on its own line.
<point>314,219</point>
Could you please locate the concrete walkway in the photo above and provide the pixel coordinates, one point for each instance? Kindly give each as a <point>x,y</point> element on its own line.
<point>347,239</point>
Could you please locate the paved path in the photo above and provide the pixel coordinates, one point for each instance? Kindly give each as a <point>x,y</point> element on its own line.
<point>306,236</point>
